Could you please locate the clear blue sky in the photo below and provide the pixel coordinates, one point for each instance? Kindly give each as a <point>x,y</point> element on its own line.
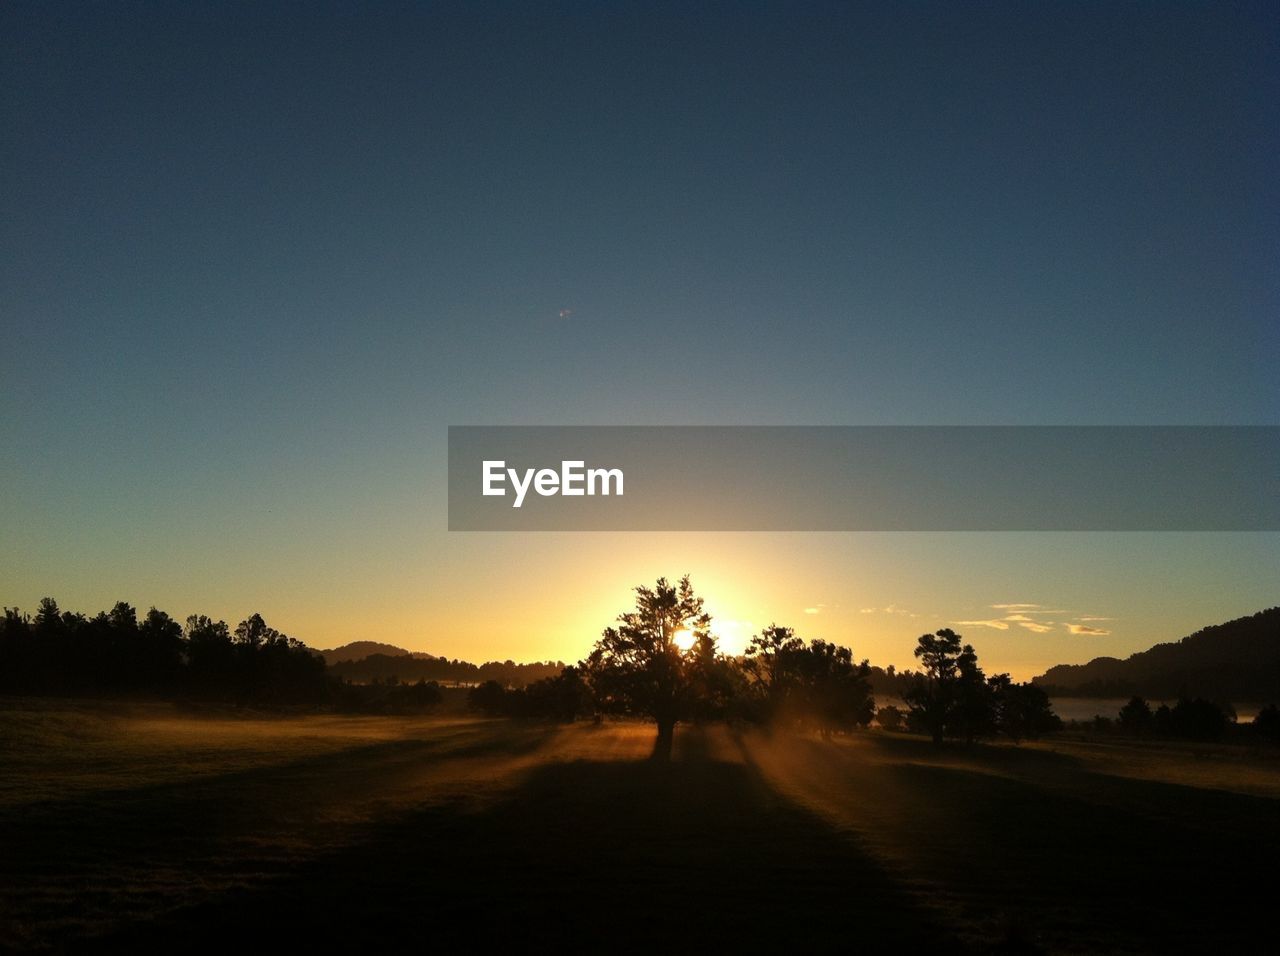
<point>257,257</point>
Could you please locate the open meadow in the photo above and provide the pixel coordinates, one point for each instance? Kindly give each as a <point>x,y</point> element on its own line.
<point>142,826</point>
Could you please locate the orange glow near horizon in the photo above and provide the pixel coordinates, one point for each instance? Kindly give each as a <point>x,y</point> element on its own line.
<point>548,597</point>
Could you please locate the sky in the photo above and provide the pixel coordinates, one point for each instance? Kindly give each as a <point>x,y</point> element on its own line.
<point>256,258</point>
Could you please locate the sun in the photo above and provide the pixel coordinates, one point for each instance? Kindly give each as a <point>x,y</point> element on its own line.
<point>683,639</point>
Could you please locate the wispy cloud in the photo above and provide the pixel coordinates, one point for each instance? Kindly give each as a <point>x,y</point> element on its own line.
<point>995,624</point>
<point>817,609</point>
<point>1029,623</point>
<point>891,609</point>
<point>1033,617</point>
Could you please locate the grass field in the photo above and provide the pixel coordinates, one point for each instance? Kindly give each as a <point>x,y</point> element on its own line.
<point>144,828</point>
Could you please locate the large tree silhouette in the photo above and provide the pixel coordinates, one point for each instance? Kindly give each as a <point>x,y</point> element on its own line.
<point>638,668</point>
<point>815,685</point>
<point>769,664</point>
<point>942,695</point>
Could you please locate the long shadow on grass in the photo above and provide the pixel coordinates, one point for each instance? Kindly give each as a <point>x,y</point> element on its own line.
<point>230,801</point>
<point>692,855</point>
<point>72,865</point>
<point>1079,860</point>
<point>1180,876</point>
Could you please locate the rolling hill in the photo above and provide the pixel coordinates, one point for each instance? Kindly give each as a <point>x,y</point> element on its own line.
<point>1235,661</point>
<point>359,650</point>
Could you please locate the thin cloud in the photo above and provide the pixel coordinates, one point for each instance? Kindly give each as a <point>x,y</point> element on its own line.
<point>1033,617</point>
<point>1013,609</point>
<point>891,609</point>
<point>994,624</point>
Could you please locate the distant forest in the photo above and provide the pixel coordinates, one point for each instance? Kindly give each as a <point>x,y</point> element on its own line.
<point>780,679</point>
<point>639,668</point>
<point>366,661</point>
<point>113,652</point>
<point>1238,660</point>
<point>118,652</point>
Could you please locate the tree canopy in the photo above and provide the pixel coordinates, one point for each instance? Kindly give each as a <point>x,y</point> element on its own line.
<point>639,667</point>
<point>815,685</point>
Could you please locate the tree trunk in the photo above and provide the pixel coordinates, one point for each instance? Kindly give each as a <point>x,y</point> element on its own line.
<point>666,736</point>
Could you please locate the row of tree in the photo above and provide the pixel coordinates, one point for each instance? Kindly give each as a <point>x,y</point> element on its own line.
<point>414,667</point>
<point>660,661</point>
<point>952,697</point>
<point>1191,718</point>
<point>64,653</point>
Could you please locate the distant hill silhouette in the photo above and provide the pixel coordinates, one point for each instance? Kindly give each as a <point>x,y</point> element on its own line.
<point>363,662</point>
<point>1235,661</point>
<point>359,650</point>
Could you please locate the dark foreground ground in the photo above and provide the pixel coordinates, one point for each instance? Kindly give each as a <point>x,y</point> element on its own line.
<point>150,830</point>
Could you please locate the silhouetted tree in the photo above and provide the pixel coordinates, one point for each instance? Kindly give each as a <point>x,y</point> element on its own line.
<point>61,652</point>
<point>973,708</point>
<point>210,655</point>
<point>716,684</point>
<point>409,666</point>
<point>1162,720</point>
<point>389,697</point>
<point>771,669</point>
<point>1022,710</point>
<point>1136,717</point>
<point>952,697</point>
<point>833,690</point>
<point>814,685</point>
<point>565,697</point>
<point>48,622</point>
<point>253,631</point>
<point>934,692</point>
<point>160,649</point>
<point>1197,719</point>
<point>637,667</point>
<point>18,653</point>
<point>1266,723</point>
<point>488,698</point>
<point>889,717</point>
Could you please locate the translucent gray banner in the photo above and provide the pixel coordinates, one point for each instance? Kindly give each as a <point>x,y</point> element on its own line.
<point>864,478</point>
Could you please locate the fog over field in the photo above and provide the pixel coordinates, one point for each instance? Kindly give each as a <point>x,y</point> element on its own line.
<point>144,825</point>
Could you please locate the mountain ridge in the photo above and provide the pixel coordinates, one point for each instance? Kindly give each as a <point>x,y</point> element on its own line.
<point>1236,660</point>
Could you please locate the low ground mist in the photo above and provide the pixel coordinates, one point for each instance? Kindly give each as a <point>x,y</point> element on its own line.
<point>144,825</point>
